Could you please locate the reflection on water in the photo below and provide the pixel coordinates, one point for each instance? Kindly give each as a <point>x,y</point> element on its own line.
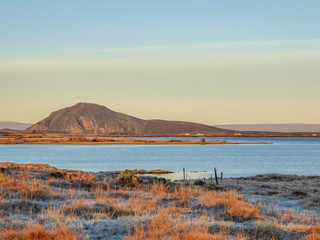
<point>179,175</point>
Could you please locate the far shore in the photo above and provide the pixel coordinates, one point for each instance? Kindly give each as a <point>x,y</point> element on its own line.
<point>106,141</point>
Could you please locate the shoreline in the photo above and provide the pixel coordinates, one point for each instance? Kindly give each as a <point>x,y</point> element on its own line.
<point>9,133</point>
<point>283,187</point>
<point>114,141</point>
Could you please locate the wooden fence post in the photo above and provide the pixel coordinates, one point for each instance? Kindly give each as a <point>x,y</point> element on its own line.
<point>184,174</point>
<point>216,176</point>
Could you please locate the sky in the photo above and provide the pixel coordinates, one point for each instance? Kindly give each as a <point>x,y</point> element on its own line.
<point>207,61</point>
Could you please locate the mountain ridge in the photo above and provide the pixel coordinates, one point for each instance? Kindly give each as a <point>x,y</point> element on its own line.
<point>89,118</point>
<point>14,125</point>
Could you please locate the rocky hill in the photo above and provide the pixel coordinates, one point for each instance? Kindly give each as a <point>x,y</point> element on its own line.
<point>86,118</point>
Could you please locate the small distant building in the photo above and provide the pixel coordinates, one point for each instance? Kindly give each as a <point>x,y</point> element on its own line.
<point>314,135</point>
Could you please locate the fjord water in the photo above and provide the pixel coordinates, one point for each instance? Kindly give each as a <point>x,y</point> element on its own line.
<point>299,156</point>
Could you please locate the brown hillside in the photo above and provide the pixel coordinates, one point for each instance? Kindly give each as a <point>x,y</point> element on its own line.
<point>85,118</point>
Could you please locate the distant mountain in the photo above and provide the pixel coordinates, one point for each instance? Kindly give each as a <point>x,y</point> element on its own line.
<point>14,125</point>
<point>286,127</point>
<point>86,118</point>
<point>7,131</point>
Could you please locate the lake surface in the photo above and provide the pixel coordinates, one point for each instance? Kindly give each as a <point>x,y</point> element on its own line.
<point>286,155</point>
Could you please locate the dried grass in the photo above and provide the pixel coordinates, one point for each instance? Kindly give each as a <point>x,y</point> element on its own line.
<point>28,189</point>
<point>40,232</point>
<point>184,193</point>
<point>163,211</point>
<point>233,202</point>
<point>164,225</point>
<point>159,190</point>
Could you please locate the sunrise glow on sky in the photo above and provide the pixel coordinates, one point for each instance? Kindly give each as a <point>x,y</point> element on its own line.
<point>214,62</point>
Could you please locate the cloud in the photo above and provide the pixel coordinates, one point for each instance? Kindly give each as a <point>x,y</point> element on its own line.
<point>222,60</point>
<point>197,56</point>
<point>241,45</point>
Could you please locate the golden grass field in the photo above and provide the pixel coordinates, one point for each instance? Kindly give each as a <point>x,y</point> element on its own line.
<point>38,201</point>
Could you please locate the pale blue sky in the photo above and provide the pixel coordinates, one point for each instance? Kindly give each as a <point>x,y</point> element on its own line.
<point>212,61</point>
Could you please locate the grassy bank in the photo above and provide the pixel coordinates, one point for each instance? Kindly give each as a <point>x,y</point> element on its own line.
<point>38,201</point>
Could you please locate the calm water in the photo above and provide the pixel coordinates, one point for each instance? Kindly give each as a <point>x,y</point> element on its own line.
<point>286,155</point>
